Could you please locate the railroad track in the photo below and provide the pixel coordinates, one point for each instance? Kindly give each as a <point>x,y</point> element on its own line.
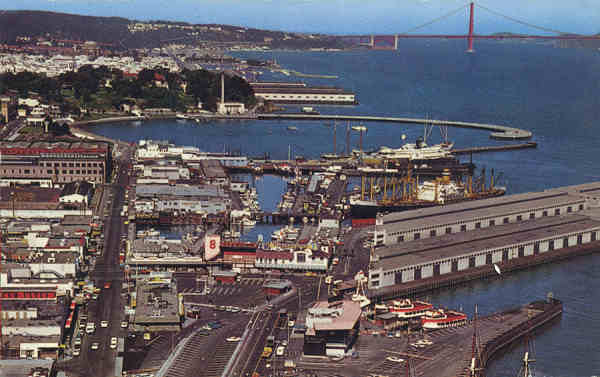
<point>205,355</point>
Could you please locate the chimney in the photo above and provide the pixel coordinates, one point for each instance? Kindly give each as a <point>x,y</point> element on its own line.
<point>222,87</point>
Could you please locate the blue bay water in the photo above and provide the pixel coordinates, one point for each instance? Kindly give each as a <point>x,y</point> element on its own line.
<point>550,91</point>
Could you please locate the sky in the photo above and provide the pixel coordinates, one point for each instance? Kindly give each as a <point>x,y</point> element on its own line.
<point>344,16</point>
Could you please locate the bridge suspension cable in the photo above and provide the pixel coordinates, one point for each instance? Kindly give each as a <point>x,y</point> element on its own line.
<point>449,14</point>
<point>525,23</point>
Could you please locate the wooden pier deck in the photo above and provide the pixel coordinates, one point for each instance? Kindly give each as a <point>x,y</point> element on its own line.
<point>450,351</point>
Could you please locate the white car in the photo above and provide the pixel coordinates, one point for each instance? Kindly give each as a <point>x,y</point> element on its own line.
<point>103,323</point>
<point>290,323</point>
<point>95,345</point>
<point>90,327</point>
<point>233,339</point>
<point>124,324</point>
<point>113,342</point>
<point>76,351</point>
<point>394,359</point>
<point>280,350</point>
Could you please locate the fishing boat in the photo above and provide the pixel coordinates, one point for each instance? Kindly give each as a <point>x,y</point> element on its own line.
<point>181,117</point>
<point>441,319</point>
<point>331,156</point>
<point>248,222</point>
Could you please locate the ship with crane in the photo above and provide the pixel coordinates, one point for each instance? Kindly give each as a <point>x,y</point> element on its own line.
<point>390,180</point>
<point>393,194</point>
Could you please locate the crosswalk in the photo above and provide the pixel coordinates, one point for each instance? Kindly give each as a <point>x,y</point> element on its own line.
<point>226,289</point>
<point>252,281</point>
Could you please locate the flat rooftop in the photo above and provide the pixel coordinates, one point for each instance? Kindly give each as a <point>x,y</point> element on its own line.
<point>458,244</point>
<point>28,195</point>
<point>22,367</point>
<point>456,212</point>
<point>212,169</point>
<point>300,90</point>
<point>81,146</point>
<point>325,316</point>
<point>156,304</point>
<point>498,204</point>
<point>178,190</point>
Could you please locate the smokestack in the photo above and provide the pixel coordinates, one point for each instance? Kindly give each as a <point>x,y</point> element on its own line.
<point>222,87</point>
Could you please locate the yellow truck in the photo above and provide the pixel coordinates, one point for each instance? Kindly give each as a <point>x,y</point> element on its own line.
<point>267,351</point>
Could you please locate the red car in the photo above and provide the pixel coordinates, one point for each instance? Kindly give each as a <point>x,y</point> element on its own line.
<point>106,285</point>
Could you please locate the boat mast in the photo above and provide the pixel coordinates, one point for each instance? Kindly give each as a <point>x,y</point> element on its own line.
<point>348,152</point>
<point>526,369</point>
<point>475,367</point>
<point>334,138</point>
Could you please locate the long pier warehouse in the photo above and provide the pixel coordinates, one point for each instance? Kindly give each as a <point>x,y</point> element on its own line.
<point>420,248</point>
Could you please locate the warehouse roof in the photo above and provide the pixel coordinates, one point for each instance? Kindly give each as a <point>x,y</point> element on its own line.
<point>449,214</point>
<point>498,204</point>
<point>177,190</point>
<point>458,244</point>
<point>324,316</point>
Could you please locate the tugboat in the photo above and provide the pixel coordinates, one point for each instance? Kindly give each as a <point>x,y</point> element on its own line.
<point>409,309</point>
<point>441,319</point>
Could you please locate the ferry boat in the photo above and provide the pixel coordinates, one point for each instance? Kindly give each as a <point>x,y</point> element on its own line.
<point>409,309</point>
<point>418,151</point>
<point>441,319</point>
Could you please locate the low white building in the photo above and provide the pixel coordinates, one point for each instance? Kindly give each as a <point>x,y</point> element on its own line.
<point>77,192</point>
<point>231,108</point>
<point>303,260</point>
<point>27,327</point>
<point>18,277</point>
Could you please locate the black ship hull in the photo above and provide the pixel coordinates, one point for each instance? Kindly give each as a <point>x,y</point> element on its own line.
<point>366,211</point>
<point>370,211</point>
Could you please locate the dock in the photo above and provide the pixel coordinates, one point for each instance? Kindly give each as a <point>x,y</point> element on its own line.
<point>497,131</point>
<point>450,353</point>
<point>419,287</point>
<point>497,148</point>
<point>348,168</point>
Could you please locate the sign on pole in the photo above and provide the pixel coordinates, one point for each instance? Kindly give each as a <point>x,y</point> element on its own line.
<point>212,246</point>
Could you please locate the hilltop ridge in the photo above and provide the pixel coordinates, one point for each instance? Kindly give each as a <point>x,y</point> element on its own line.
<point>25,26</point>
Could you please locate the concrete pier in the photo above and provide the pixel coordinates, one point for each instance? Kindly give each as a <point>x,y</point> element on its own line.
<point>450,351</point>
<point>497,131</point>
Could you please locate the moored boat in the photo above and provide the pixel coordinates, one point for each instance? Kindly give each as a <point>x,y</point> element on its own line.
<point>409,309</point>
<point>440,191</point>
<point>441,319</point>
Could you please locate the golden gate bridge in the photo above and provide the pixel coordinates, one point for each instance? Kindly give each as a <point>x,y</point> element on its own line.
<point>390,41</point>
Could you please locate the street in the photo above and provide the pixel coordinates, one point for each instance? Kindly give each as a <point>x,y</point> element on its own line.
<point>109,305</point>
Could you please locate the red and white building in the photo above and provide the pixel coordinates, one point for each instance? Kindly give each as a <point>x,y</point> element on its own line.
<point>292,260</point>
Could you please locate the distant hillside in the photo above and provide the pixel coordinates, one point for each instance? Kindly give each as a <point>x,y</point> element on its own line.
<point>15,24</point>
<point>124,33</point>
